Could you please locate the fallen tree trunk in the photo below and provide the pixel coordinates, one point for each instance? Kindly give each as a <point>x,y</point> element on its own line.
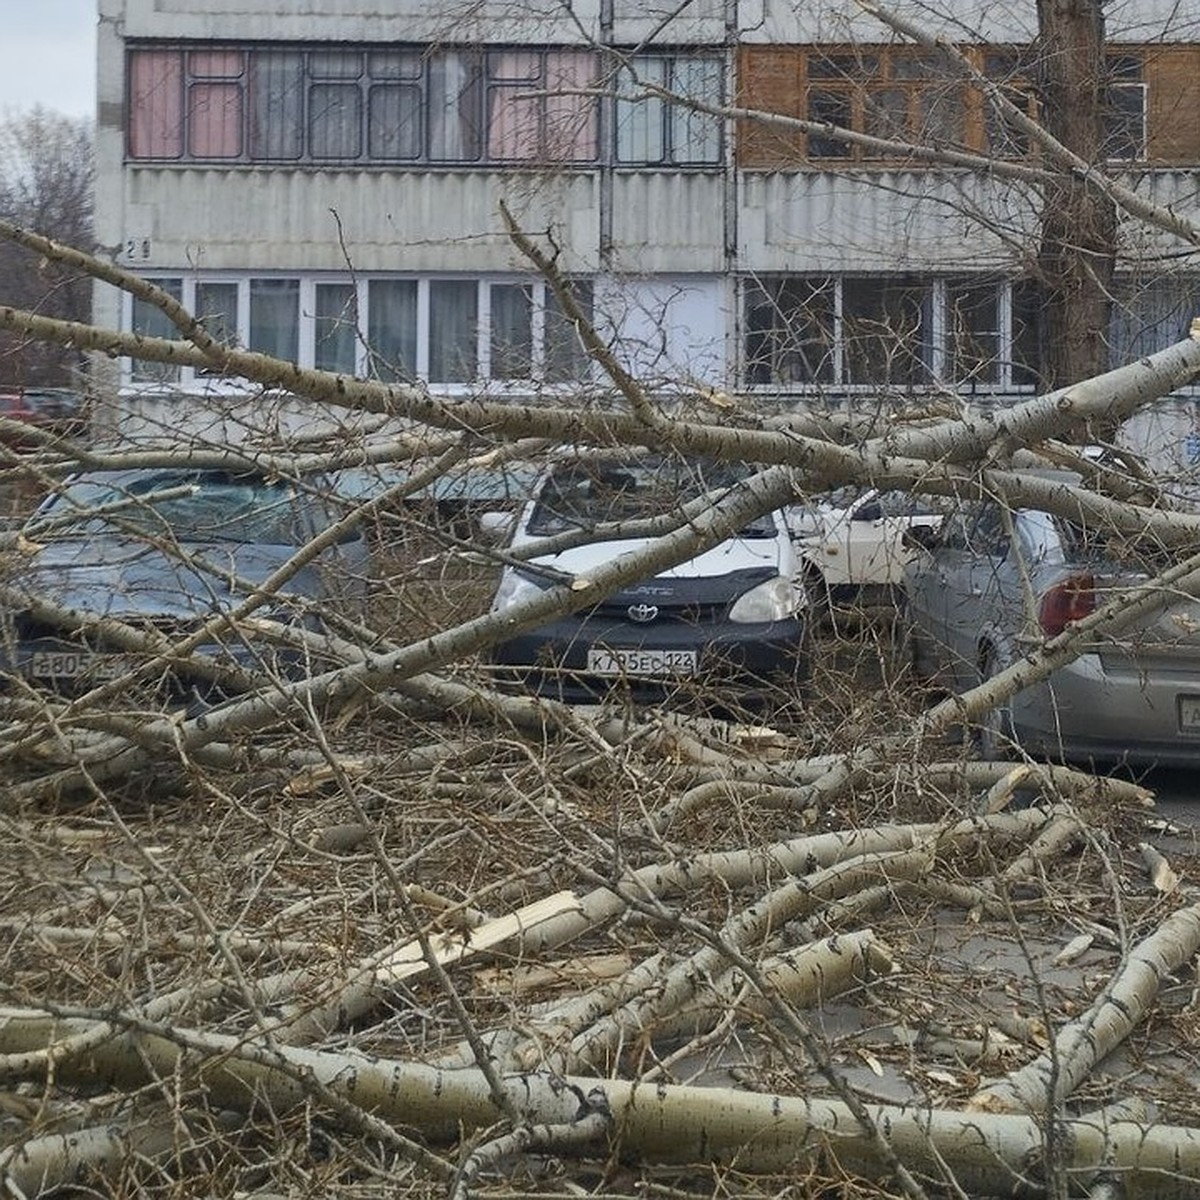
<point>1079,1046</point>
<point>985,1154</point>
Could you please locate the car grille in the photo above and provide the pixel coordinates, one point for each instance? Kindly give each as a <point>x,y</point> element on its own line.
<point>677,614</point>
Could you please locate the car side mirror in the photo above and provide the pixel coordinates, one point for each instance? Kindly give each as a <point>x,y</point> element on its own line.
<point>495,527</point>
<point>872,511</point>
<point>921,537</point>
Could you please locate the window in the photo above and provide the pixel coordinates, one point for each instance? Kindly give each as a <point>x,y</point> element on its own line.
<point>453,305</point>
<point>790,330</point>
<point>884,329</point>
<point>156,104</point>
<point>335,321</point>
<point>650,129</point>
<point>392,328</point>
<point>216,307</point>
<point>511,331</point>
<point>339,103</point>
<point>215,108</point>
<point>909,94</point>
<point>972,332</point>
<point>565,358</point>
<point>1008,71</point>
<point>275,317</point>
<point>1125,109</point>
<point>449,330</point>
<point>149,320</point>
<point>535,109</point>
<point>896,93</point>
<point>899,330</point>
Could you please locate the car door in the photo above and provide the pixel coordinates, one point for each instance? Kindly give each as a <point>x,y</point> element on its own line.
<point>976,591</point>
<point>927,604</point>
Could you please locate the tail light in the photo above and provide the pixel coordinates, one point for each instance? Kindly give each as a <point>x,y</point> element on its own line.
<point>1070,600</point>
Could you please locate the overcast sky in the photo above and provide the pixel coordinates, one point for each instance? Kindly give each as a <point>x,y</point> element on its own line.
<point>48,56</point>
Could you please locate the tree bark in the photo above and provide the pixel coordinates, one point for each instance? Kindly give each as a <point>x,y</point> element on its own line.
<point>1077,252</point>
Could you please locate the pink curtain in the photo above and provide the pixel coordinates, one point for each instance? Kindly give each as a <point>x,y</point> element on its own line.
<point>570,119</point>
<point>155,104</point>
<point>215,120</point>
<point>513,119</point>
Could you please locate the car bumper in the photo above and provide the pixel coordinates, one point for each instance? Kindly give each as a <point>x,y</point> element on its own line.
<point>69,667</point>
<point>1084,712</point>
<point>754,659</point>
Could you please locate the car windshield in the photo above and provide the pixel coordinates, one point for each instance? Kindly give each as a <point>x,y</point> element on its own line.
<point>195,506</point>
<point>585,495</point>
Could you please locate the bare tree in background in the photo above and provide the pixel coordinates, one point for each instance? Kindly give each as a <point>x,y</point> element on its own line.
<point>46,183</point>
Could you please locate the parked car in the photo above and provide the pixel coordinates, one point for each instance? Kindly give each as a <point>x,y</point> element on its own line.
<point>59,411</point>
<point>165,550</point>
<point>733,616</point>
<point>851,542</point>
<point>988,586</point>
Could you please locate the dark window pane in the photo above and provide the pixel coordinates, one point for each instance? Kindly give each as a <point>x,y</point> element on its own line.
<point>335,64</point>
<point>789,331</point>
<point>1002,137</point>
<point>395,64</point>
<point>886,113</point>
<point>335,120</point>
<point>276,105</point>
<point>860,67</point>
<point>1125,121</point>
<point>217,308</point>
<point>336,327</point>
<point>918,66</point>
<point>1151,314</point>
<point>973,332</point>
<point>1027,333</point>
<point>275,317</point>
<point>566,360</point>
<point>150,321</point>
<point>511,331</point>
<point>831,108</point>
<point>883,330</point>
<point>395,121</point>
<point>392,328</point>
<point>453,317</point>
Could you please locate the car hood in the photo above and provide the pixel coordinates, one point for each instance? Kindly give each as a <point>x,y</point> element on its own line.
<point>126,577</point>
<point>732,557</point>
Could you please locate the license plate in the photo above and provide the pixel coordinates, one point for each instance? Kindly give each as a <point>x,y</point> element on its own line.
<point>642,662</point>
<point>1189,714</point>
<point>74,664</point>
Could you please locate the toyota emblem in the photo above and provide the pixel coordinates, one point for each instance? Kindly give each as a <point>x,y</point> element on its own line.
<point>643,614</point>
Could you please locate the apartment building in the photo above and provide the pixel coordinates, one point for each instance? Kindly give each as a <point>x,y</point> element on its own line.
<point>323,182</point>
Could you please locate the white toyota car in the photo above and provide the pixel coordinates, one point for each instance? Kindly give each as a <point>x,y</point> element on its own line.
<point>736,614</point>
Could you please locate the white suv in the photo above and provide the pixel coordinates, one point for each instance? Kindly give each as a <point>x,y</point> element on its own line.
<point>851,542</point>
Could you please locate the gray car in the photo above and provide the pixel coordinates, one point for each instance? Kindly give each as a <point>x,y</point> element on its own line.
<point>990,585</point>
<point>165,550</point>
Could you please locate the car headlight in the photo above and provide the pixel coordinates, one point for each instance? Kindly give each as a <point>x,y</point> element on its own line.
<point>515,586</point>
<point>775,600</point>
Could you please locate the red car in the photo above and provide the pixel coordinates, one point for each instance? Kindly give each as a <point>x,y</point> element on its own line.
<point>56,410</point>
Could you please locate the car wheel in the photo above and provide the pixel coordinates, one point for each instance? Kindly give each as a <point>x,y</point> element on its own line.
<point>994,741</point>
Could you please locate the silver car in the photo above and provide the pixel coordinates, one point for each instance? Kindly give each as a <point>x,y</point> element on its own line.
<point>992,584</point>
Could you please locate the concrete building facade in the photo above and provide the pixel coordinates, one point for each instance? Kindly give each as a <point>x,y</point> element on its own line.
<point>323,181</point>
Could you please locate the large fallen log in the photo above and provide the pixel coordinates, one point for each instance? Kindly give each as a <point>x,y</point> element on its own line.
<point>984,1154</point>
